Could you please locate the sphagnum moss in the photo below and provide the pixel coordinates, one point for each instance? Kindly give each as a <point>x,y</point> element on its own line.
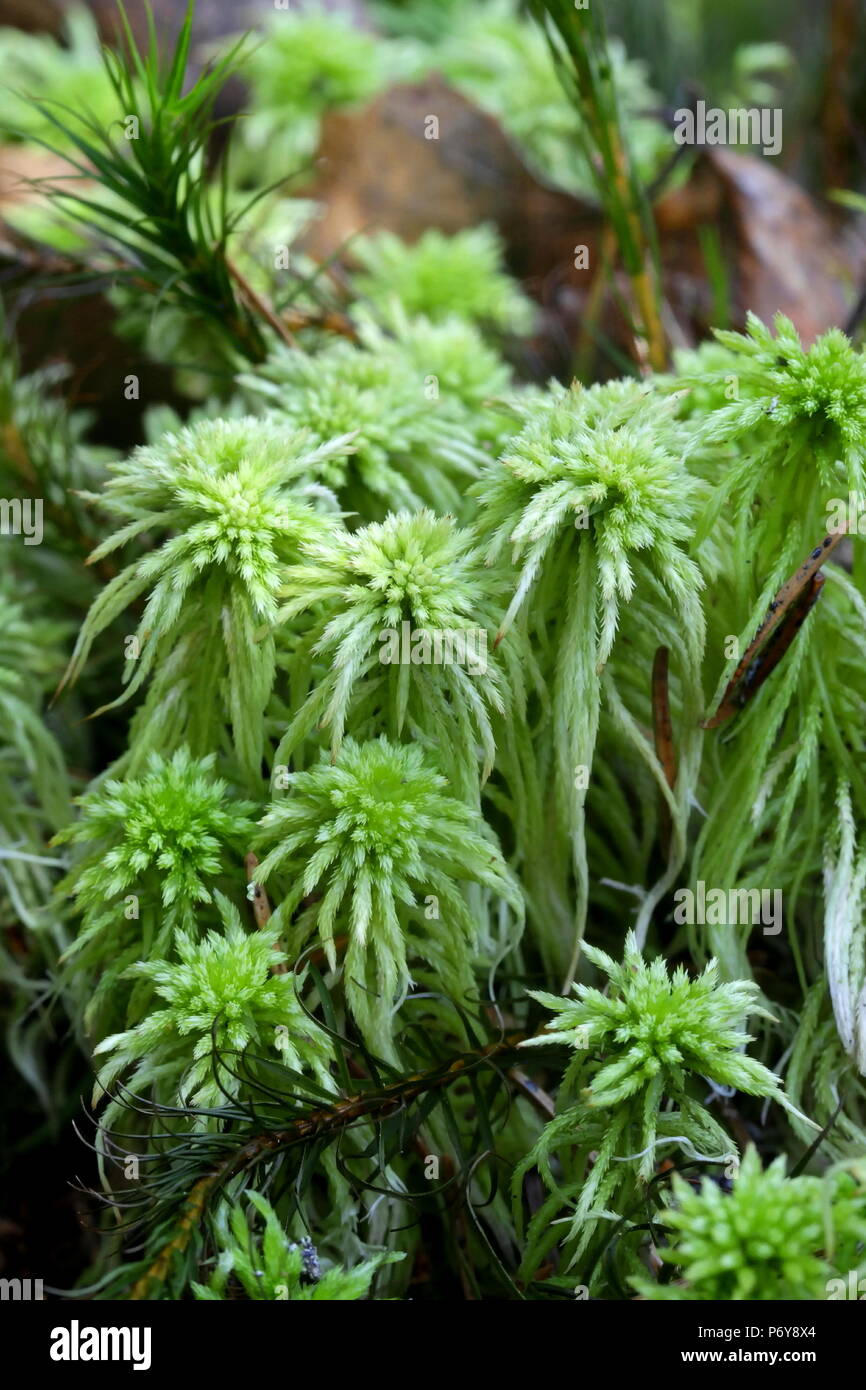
<point>378,841</point>
<point>435,841</point>
<point>772,1238</point>
<point>644,1050</point>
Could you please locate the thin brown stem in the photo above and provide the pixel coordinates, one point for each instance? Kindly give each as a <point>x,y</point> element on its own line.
<point>319,1123</point>
<point>260,305</point>
<point>261,906</point>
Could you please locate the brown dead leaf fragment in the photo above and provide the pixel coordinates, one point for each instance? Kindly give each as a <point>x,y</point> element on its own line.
<point>261,905</point>
<point>22,167</point>
<point>784,253</point>
<point>663,737</point>
<point>785,616</point>
<point>378,170</point>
